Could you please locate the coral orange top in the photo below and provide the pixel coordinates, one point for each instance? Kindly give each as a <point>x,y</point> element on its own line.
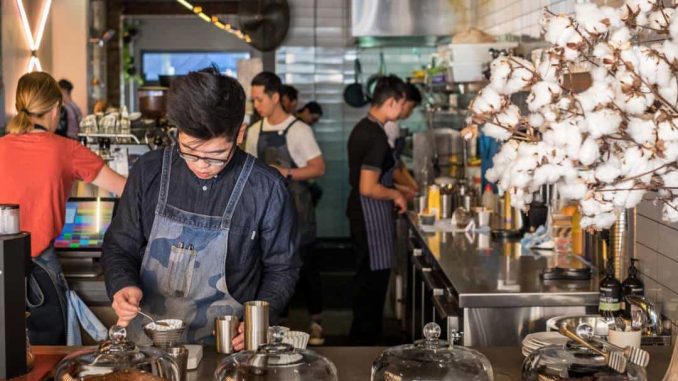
<point>37,171</point>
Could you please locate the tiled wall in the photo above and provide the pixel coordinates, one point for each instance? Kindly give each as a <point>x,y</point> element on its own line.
<point>657,249</point>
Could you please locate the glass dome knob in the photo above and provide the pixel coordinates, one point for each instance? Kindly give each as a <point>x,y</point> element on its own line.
<point>117,333</point>
<point>431,331</point>
<point>277,334</point>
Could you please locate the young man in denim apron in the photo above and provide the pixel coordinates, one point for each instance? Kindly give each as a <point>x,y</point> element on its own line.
<point>288,144</point>
<point>202,227</point>
<point>372,206</point>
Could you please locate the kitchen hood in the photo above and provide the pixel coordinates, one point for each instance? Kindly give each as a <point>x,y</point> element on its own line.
<point>391,18</point>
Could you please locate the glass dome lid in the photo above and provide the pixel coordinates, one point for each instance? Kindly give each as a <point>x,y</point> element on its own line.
<point>120,360</point>
<point>431,359</point>
<point>276,361</point>
<point>572,362</point>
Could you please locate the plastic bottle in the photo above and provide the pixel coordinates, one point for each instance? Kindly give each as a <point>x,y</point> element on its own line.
<point>632,285</point>
<point>489,199</point>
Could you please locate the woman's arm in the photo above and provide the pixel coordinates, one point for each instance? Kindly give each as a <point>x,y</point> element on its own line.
<point>110,180</point>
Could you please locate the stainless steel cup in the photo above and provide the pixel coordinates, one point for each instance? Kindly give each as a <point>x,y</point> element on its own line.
<point>225,330</point>
<point>256,324</point>
<point>446,206</point>
<point>180,356</point>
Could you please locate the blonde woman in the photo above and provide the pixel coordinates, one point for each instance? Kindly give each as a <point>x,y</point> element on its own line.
<point>38,169</point>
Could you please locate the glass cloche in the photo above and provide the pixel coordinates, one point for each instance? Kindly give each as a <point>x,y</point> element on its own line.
<point>572,362</point>
<point>118,360</point>
<point>431,359</point>
<point>276,361</point>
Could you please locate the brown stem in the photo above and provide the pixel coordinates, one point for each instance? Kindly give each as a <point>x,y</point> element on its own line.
<point>655,92</point>
<point>642,174</point>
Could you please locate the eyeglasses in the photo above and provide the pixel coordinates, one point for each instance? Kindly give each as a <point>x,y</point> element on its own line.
<point>210,161</point>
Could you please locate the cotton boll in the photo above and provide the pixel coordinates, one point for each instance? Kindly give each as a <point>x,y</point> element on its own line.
<point>570,54</point>
<point>635,104</point>
<point>613,16</point>
<point>535,120</point>
<point>670,180</point>
<point>510,116</point>
<point>620,38</point>
<point>669,49</point>
<point>604,53</point>
<point>519,179</point>
<point>634,198</point>
<point>641,5</point>
<point>586,222</point>
<point>633,160</point>
<point>642,131</point>
<point>668,130</point>
<point>603,122</point>
<point>670,211</point>
<point>592,18</point>
<point>669,91</point>
<point>589,151</point>
<point>500,69</point>
<point>673,29</point>
<point>525,163</point>
<point>546,174</point>
<point>599,93</point>
<point>659,20</point>
<point>605,220</point>
<point>609,170</point>
<point>572,191</point>
<point>591,207</point>
<point>521,75</point>
<point>549,69</point>
<point>494,131</point>
<point>488,101</point>
<point>556,27</point>
<point>648,64</point>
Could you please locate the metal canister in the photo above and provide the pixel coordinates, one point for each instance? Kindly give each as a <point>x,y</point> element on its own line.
<point>256,324</point>
<point>9,219</point>
<point>446,205</point>
<point>225,330</point>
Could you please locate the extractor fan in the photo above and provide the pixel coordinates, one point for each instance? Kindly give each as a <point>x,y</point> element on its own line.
<point>265,21</point>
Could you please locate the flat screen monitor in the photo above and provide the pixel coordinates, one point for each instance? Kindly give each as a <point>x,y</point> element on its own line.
<point>87,220</point>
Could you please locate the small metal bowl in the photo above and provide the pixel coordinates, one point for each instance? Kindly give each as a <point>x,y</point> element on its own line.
<point>165,337</point>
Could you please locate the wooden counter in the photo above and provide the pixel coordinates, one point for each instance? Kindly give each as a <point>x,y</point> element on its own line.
<point>353,363</point>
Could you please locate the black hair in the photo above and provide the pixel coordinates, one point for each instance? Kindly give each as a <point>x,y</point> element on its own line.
<point>412,94</point>
<point>313,107</point>
<point>388,86</point>
<point>271,82</point>
<point>290,92</point>
<point>206,104</point>
<point>66,85</point>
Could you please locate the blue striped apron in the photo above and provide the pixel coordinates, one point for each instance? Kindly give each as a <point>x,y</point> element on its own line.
<point>379,217</point>
<point>183,272</point>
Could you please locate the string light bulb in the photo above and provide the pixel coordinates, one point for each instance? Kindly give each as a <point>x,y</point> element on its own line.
<point>214,20</point>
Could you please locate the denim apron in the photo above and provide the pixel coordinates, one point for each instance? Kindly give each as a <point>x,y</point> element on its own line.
<point>379,218</point>
<point>74,311</point>
<point>183,272</point>
<point>272,149</point>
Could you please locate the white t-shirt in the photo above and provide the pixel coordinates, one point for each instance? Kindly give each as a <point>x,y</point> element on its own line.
<point>392,132</point>
<point>300,140</point>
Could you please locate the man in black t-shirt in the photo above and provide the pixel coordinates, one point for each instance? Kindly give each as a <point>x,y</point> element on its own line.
<point>372,206</point>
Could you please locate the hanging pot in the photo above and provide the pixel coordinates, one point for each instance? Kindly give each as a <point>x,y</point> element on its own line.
<point>354,95</point>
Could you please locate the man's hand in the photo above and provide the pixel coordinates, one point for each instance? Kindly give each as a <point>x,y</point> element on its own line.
<point>400,202</point>
<point>239,341</point>
<point>283,171</point>
<point>408,192</point>
<point>126,304</point>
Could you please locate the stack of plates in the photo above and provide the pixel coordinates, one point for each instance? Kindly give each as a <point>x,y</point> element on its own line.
<point>536,340</point>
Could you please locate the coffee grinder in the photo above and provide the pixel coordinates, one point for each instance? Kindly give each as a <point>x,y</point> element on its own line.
<point>15,257</point>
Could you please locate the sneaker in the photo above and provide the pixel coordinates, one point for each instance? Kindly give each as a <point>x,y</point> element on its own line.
<point>316,332</point>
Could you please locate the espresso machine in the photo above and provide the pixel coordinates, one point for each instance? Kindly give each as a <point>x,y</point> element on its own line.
<point>15,260</point>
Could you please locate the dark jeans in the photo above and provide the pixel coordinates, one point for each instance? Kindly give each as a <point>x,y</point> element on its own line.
<point>369,292</point>
<point>47,323</point>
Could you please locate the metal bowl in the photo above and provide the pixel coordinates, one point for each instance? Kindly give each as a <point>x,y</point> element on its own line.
<point>165,337</point>
<point>599,323</point>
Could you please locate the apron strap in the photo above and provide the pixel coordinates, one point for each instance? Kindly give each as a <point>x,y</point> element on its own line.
<point>284,133</point>
<point>164,179</point>
<point>237,191</point>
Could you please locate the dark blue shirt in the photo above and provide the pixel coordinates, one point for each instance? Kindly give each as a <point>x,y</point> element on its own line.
<point>262,261</point>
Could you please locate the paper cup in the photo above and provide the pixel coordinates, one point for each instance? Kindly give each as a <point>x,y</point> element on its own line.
<point>624,339</point>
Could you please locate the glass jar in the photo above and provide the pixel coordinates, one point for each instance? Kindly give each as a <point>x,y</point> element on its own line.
<point>431,359</point>
<point>120,360</point>
<point>571,362</point>
<point>276,361</point>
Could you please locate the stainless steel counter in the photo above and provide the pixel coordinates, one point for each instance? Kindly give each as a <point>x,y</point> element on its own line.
<point>489,289</point>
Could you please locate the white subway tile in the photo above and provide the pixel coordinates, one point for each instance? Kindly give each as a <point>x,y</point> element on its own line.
<point>647,260</point>
<point>667,241</point>
<point>667,269</point>
<point>648,209</point>
<point>647,232</point>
